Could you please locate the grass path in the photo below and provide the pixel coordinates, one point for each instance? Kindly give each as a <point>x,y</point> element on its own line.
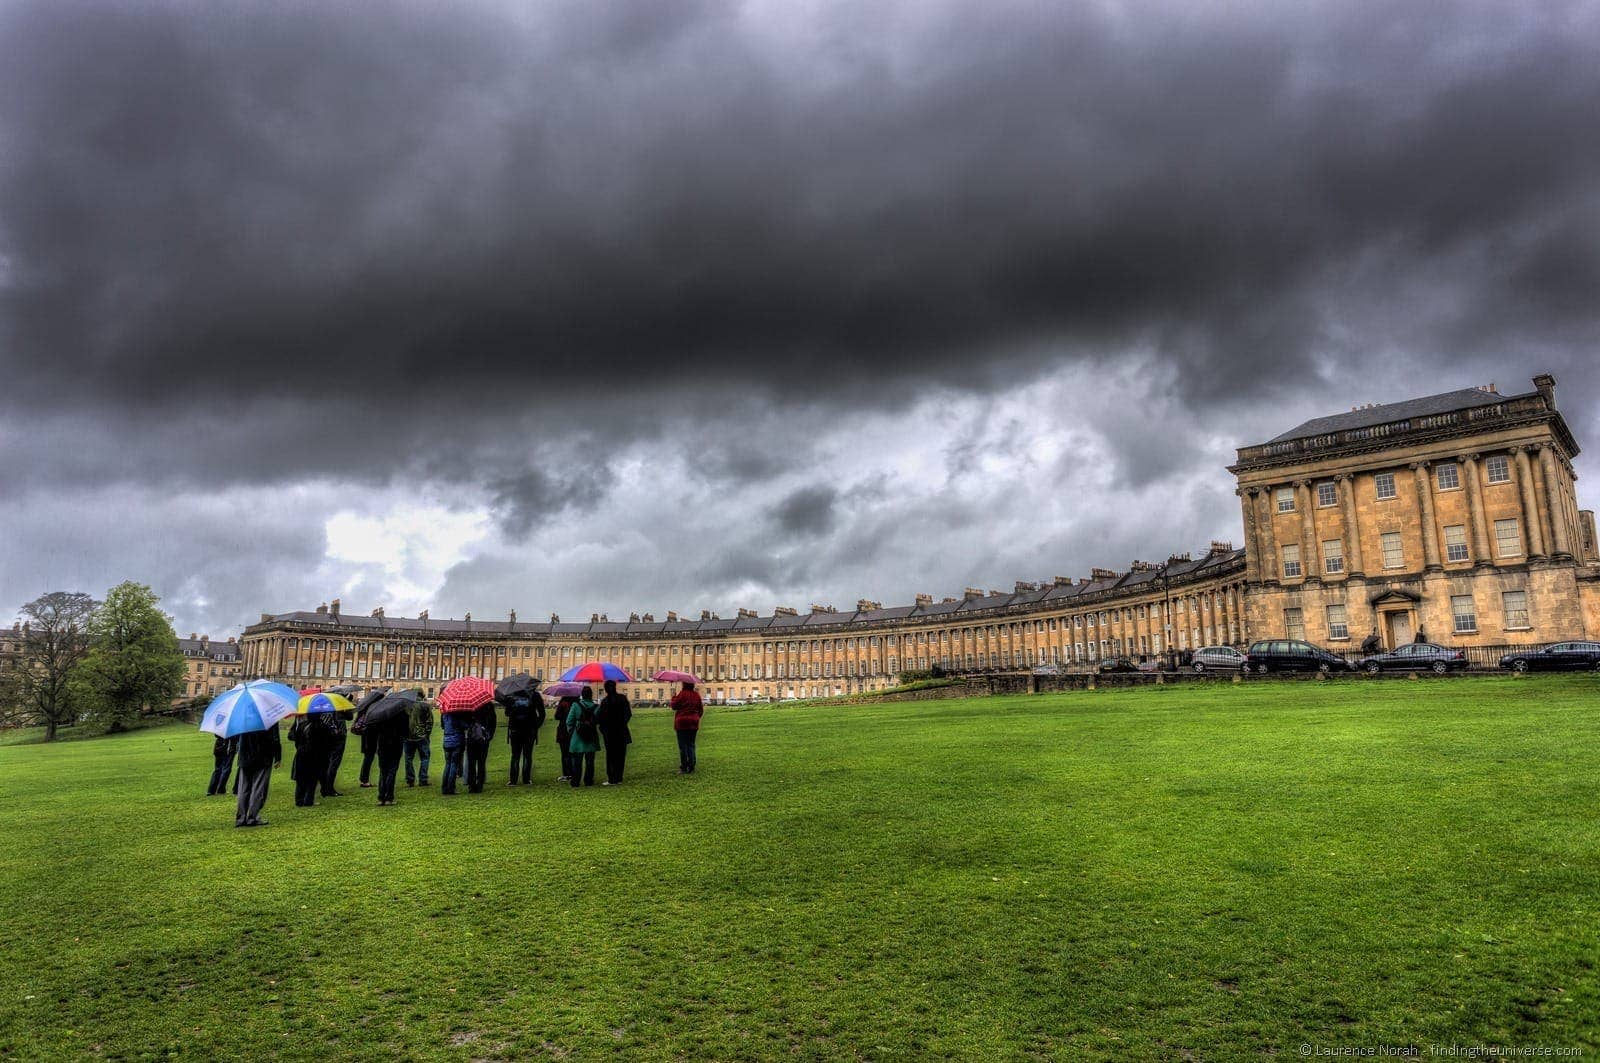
<point>1216,870</point>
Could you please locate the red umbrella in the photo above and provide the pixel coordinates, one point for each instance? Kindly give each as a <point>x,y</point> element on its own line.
<point>308,691</point>
<point>671,676</point>
<point>465,694</point>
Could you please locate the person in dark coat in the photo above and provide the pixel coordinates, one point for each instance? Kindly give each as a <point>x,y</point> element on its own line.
<point>419,742</point>
<point>524,717</point>
<point>687,708</point>
<point>1371,644</point>
<point>480,733</point>
<point>369,751</point>
<point>259,753</point>
<point>312,737</point>
<point>391,742</point>
<point>222,753</point>
<point>615,712</point>
<point>341,735</point>
<point>453,727</point>
<point>1422,636</point>
<point>564,738</point>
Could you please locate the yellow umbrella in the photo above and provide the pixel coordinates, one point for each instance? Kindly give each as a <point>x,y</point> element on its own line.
<point>312,704</point>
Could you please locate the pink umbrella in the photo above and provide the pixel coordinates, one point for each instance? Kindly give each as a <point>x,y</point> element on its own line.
<point>563,690</point>
<point>671,676</point>
<point>465,694</point>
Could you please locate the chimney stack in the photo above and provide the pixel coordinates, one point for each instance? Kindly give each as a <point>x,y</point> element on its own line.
<point>705,614</point>
<point>972,592</point>
<point>649,618</point>
<point>784,610</point>
<point>513,618</point>
<point>322,610</point>
<point>333,607</point>
<point>423,616</point>
<point>554,619</point>
<point>192,636</point>
<point>924,600</point>
<point>1547,387</point>
<point>1218,546</point>
<point>746,612</point>
<point>672,617</point>
<point>866,605</point>
<point>815,608</point>
<point>1023,587</point>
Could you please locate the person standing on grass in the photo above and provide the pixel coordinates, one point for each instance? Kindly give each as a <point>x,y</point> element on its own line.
<point>524,717</point>
<point>583,738</point>
<point>419,740</point>
<point>615,712</point>
<point>480,735</point>
<point>369,750</point>
<point>564,738</point>
<point>687,708</point>
<point>454,727</point>
<point>391,741</point>
<point>311,738</point>
<point>222,753</point>
<point>259,753</point>
<point>336,743</point>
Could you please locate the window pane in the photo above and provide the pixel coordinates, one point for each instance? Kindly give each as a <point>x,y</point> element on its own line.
<point>1338,627</point>
<point>1291,561</point>
<point>1455,542</point>
<point>1393,552</point>
<point>1516,606</point>
<point>1466,617</point>
<point>1383,484</point>
<point>1327,493</point>
<point>1508,537</point>
<point>1449,477</point>
<point>1285,496</point>
<point>1333,555</point>
<point>1498,469</point>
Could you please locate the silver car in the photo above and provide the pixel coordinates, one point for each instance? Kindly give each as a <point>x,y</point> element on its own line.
<point>1217,658</point>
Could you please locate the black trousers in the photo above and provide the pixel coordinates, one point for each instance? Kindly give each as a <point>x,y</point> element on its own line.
<point>477,765</point>
<point>366,766</point>
<point>582,769</point>
<point>335,758</point>
<point>219,774</point>
<point>521,755</point>
<point>307,776</point>
<point>252,794</point>
<point>388,768</point>
<point>616,758</point>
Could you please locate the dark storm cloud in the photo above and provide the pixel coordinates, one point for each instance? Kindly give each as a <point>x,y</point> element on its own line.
<point>807,511</point>
<point>476,201</point>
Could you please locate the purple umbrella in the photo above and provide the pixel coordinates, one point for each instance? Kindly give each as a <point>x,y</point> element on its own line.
<point>563,690</point>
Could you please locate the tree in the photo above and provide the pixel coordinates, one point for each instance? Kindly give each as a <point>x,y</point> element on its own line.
<point>39,682</point>
<point>133,660</point>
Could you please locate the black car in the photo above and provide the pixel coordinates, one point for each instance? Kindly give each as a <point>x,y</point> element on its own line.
<point>1415,657</point>
<point>1561,657</point>
<point>1292,655</point>
<point>1118,664</point>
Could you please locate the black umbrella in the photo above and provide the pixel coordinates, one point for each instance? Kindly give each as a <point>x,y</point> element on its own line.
<point>389,706</point>
<point>511,687</point>
<point>372,698</point>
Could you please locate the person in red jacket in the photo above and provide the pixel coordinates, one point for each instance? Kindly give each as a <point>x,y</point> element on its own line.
<point>687,708</point>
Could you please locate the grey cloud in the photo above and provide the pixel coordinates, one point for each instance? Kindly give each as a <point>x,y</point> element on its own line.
<point>807,511</point>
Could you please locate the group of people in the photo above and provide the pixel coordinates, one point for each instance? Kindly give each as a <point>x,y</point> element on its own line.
<point>584,727</point>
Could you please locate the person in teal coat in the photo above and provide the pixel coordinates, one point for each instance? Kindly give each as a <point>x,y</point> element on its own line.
<point>584,742</point>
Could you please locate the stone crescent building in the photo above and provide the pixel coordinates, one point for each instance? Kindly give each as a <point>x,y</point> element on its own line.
<point>1454,515</point>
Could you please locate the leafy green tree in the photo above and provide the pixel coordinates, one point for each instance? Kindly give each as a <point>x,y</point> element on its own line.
<point>38,686</point>
<point>133,660</point>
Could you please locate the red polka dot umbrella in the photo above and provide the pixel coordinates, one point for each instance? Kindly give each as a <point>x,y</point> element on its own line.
<point>465,694</point>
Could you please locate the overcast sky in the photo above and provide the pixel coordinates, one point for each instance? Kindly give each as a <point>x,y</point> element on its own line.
<point>578,307</point>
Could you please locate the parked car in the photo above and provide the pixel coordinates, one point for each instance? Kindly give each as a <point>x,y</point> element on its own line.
<point>1292,655</point>
<point>1117,664</point>
<point>1561,657</point>
<point>1415,657</point>
<point>1149,664</point>
<point>1219,658</point>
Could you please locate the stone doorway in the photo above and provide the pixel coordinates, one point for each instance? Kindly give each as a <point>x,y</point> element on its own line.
<point>1399,627</point>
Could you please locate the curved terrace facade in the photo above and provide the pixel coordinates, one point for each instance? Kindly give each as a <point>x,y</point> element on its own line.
<point>787,654</point>
<point>1453,516</point>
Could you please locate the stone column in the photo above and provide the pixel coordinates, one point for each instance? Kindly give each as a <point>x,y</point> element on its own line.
<point>1270,568</point>
<point>1430,527</point>
<point>1252,549</point>
<point>1305,505</point>
<point>1560,541</point>
<point>1530,508</point>
<point>1352,528</point>
<point>1482,555</point>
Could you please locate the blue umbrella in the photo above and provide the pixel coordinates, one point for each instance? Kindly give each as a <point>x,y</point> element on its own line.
<point>251,706</point>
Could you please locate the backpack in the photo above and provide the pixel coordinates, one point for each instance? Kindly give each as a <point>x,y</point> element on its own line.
<point>477,735</point>
<point>586,726</point>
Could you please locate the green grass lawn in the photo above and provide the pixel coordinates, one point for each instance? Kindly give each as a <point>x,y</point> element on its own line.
<point>1216,870</point>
